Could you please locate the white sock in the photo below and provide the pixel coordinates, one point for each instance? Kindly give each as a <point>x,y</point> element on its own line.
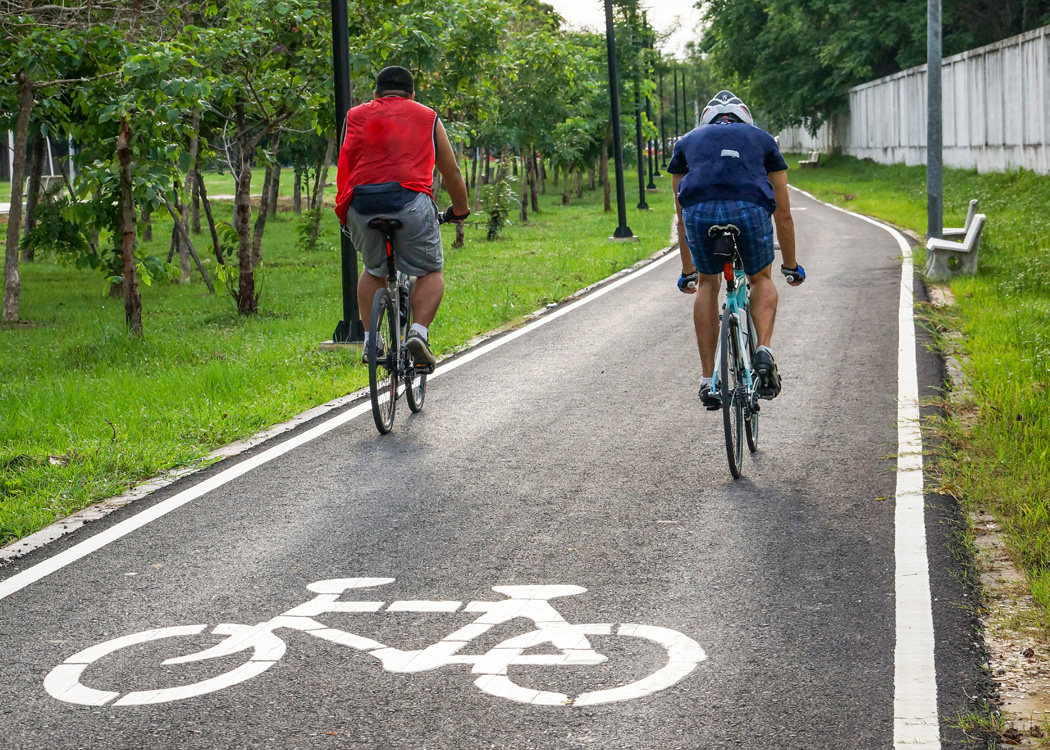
<point>704,381</point>
<point>366,339</point>
<point>421,330</point>
<point>766,348</point>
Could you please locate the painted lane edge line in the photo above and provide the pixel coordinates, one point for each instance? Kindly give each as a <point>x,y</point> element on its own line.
<point>52,564</point>
<point>916,723</point>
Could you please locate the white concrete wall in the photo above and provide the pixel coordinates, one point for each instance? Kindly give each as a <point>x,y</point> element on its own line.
<point>996,111</point>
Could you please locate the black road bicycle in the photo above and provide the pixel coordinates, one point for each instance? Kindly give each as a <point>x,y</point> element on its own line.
<point>389,361</point>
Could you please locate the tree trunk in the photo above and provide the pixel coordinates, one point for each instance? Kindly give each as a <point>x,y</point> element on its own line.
<point>322,174</point>
<point>591,174</point>
<point>297,191</point>
<point>318,209</point>
<point>275,187</point>
<point>603,172</point>
<point>543,177</point>
<point>247,300</point>
<point>184,251</point>
<point>36,176</point>
<point>488,167</point>
<point>12,282</point>
<point>579,182</point>
<point>260,218</point>
<point>566,187</point>
<point>211,221</point>
<point>477,180</point>
<point>459,235</point>
<point>195,209</point>
<point>523,187</point>
<point>533,180</point>
<point>132,298</point>
<point>188,188</point>
<point>180,228</point>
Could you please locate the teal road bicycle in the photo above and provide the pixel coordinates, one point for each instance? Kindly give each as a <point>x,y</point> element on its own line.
<point>734,380</point>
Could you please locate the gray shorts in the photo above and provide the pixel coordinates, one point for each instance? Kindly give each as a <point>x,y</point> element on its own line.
<point>417,245</point>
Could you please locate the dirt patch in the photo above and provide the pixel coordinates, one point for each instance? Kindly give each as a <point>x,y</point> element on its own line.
<point>1018,650</point>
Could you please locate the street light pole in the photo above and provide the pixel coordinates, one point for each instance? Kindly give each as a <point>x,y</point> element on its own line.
<point>642,205</point>
<point>349,329</point>
<point>675,74</point>
<point>622,230</point>
<point>663,135</point>
<point>934,132</point>
<point>649,107</point>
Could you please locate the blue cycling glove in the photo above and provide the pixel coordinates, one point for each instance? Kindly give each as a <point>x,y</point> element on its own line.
<point>794,275</point>
<point>687,281</point>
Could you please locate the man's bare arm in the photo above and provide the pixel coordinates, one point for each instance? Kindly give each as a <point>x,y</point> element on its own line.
<point>782,217</point>
<point>445,160</point>
<point>683,246</point>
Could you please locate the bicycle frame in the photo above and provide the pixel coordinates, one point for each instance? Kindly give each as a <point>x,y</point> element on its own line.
<point>737,304</point>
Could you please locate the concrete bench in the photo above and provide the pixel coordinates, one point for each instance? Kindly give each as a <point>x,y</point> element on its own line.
<point>812,162</point>
<point>961,231</point>
<point>939,252</point>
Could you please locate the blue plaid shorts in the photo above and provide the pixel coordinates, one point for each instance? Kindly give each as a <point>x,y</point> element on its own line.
<point>755,243</point>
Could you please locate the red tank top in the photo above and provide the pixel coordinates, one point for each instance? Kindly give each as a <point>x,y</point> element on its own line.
<point>387,140</point>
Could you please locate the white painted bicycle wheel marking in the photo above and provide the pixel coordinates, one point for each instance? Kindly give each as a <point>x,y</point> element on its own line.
<point>46,567</point>
<point>916,723</point>
<point>571,641</point>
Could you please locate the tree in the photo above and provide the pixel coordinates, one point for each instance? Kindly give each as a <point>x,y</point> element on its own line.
<point>269,61</point>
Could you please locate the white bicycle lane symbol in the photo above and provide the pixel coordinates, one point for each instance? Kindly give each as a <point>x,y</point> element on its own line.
<point>552,633</point>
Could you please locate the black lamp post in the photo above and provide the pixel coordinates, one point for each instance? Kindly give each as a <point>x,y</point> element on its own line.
<point>642,205</point>
<point>663,135</point>
<point>675,74</point>
<point>622,230</point>
<point>648,103</point>
<point>349,329</point>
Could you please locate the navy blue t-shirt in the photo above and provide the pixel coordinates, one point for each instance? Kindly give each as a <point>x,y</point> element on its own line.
<point>726,162</point>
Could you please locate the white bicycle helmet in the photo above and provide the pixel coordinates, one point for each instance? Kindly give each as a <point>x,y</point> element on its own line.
<point>726,103</point>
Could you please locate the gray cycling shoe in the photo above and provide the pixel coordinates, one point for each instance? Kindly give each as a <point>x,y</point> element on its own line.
<point>711,401</point>
<point>768,378</point>
<point>420,351</point>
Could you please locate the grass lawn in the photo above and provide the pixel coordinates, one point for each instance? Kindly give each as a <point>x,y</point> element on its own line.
<point>997,453</point>
<point>89,412</point>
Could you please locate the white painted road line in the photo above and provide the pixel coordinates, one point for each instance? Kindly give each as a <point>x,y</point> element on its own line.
<point>915,720</point>
<point>45,568</point>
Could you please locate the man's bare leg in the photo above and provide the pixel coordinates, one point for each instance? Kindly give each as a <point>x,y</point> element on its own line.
<point>764,304</point>
<point>705,320</point>
<point>426,297</point>
<point>367,286</point>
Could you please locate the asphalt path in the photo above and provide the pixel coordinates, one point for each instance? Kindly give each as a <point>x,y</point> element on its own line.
<point>572,455</point>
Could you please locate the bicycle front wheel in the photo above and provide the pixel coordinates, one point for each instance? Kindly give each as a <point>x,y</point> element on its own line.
<point>733,393</point>
<point>382,360</point>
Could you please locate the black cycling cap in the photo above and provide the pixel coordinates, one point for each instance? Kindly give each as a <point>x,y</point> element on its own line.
<point>395,78</point>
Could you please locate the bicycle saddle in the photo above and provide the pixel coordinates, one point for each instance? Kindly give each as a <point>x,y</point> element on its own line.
<point>723,229</point>
<point>386,226</point>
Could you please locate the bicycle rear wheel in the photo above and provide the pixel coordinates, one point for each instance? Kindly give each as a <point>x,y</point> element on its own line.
<point>382,365</point>
<point>415,381</point>
<point>751,414</point>
<point>733,388</point>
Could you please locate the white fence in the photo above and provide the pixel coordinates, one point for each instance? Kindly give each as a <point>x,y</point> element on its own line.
<point>996,111</point>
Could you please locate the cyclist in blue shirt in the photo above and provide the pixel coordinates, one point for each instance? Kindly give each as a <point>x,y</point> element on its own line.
<point>727,171</point>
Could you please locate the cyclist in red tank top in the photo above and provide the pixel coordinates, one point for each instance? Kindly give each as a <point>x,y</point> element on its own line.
<point>393,143</point>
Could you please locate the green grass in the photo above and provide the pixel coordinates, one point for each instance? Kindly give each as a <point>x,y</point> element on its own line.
<point>997,452</point>
<point>88,412</point>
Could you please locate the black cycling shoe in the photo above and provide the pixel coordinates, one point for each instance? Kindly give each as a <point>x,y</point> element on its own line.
<point>419,348</point>
<point>768,378</point>
<point>711,401</point>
